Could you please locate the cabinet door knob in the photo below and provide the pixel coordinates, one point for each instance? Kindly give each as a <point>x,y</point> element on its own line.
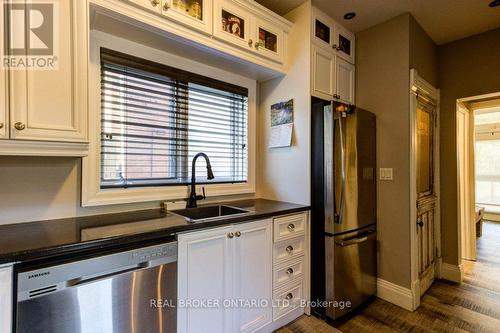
<point>257,45</point>
<point>155,3</point>
<point>230,235</point>
<point>289,271</point>
<point>237,234</point>
<point>334,46</point>
<point>291,227</point>
<point>19,126</point>
<point>1,125</point>
<point>166,5</point>
<point>250,43</point>
<point>289,249</point>
<point>289,296</point>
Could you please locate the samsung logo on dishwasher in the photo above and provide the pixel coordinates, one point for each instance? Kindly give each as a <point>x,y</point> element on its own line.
<point>32,276</point>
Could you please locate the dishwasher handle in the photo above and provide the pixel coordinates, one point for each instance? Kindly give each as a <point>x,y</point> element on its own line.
<point>88,279</point>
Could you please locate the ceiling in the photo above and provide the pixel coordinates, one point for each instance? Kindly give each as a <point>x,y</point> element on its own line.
<point>443,20</point>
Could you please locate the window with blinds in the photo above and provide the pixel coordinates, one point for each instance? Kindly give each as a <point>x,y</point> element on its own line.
<point>155,118</point>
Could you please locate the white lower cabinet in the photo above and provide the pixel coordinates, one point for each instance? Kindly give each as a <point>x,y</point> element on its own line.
<point>228,264</point>
<point>6,288</point>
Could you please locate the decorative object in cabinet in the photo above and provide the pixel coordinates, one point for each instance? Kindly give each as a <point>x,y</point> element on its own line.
<point>322,31</point>
<point>233,24</point>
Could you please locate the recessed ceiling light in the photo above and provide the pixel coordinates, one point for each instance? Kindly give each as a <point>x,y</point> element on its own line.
<point>495,3</point>
<point>350,16</point>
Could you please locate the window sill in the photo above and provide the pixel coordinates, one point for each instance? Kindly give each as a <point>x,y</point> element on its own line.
<point>148,194</point>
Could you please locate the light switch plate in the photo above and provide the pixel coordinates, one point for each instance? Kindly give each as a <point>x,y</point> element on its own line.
<point>385,174</point>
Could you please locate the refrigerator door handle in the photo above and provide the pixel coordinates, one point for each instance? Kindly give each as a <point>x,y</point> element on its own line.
<point>358,240</point>
<point>342,171</point>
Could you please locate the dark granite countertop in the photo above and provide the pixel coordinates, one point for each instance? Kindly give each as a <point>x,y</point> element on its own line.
<point>45,240</point>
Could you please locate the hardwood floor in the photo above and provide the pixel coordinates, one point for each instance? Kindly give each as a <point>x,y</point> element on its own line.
<point>473,306</point>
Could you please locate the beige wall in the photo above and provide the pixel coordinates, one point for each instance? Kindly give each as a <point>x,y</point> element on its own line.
<point>423,53</point>
<point>382,83</point>
<point>467,67</point>
<point>284,173</point>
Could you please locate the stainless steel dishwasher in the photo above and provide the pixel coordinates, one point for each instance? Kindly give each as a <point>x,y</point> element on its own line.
<point>127,292</point>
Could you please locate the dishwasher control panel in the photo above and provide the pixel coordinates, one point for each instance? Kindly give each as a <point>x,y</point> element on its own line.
<point>148,254</point>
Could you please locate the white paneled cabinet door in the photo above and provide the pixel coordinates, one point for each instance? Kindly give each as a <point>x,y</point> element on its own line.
<point>252,275</point>
<point>153,5</point>
<point>51,104</point>
<point>345,81</point>
<point>4,106</point>
<point>323,81</point>
<point>195,14</point>
<point>204,274</point>
<point>269,40</point>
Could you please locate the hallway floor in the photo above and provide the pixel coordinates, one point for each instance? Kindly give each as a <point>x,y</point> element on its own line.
<point>473,306</point>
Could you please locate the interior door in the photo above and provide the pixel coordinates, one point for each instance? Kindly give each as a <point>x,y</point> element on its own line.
<point>252,274</point>
<point>426,198</point>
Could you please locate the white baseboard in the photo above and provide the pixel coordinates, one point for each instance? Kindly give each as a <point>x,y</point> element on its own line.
<point>395,294</point>
<point>454,273</point>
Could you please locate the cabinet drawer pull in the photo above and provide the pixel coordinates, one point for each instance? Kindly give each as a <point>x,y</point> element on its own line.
<point>19,126</point>
<point>291,227</point>
<point>289,249</point>
<point>289,296</point>
<point>155,3</point>
<point>237,234</point>
<point>289,271</point>
<point>230,235</point>
<point>1,125</point>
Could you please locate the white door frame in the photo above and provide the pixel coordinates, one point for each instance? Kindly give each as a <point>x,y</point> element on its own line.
<point>418,84</point>
<point>469,105</point>
<point>466,226</point>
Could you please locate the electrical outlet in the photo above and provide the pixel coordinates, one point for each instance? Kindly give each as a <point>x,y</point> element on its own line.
<point>385,174</point>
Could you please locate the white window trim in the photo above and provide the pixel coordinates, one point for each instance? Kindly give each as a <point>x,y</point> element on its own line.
<point>92,194</point>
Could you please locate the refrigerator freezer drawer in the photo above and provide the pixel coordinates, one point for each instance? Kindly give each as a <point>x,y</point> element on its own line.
<point>351,270</point>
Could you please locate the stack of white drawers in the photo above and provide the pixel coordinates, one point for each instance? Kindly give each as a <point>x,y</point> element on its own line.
<point>289,263</point>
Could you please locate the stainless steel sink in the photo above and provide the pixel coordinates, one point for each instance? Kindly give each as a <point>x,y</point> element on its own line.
<point>208,213</point>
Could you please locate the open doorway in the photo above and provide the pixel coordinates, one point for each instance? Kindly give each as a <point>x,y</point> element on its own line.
<point>478,162</point>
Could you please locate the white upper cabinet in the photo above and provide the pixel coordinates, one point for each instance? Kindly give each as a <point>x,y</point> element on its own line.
<point>152,5</point>
<point>196,14</point>
<point>332,60</point>
<point>345,81</point>
<point>233,24</point>
<point>4,100</point>
<point>344,43</point>
<point>269,40</point>
<point>50,104</point>
<point>323,73</point>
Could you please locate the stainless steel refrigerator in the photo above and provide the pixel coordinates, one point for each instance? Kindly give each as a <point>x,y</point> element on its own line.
<point>349,178</point>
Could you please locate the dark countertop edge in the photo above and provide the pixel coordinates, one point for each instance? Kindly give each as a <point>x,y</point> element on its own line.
<point>143,239</point>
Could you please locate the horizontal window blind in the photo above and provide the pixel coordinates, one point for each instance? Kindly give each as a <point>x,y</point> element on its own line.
<point>155,118</point>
